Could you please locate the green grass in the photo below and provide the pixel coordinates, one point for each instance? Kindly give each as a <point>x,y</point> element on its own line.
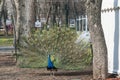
<point>6,41</point>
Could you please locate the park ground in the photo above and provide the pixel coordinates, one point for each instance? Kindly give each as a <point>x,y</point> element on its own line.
<point>9,71</point>
<point>15,73</point>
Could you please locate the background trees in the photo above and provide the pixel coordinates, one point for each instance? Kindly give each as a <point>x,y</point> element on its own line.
<point>3,15</point>
<point>54,12</point>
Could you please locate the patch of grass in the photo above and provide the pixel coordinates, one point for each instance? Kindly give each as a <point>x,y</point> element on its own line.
<point>6,41</point>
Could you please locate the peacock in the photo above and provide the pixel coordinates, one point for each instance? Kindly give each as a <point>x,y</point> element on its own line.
<point>50,65</point>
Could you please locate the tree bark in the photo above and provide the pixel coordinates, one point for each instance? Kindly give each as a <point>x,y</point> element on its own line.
<point>25,18</point>
<point>17,22</point>
<point>93,8</point>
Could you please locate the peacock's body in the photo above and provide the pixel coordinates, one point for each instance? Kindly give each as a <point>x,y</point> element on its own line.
<point>50,65</point>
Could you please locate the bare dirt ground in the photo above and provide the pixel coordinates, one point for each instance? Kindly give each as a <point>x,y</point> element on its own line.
<point>15,73</point>
<point>9,71</point>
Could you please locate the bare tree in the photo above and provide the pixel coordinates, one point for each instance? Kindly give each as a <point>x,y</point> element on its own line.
<point>93,8</point>
<point>63,10</point>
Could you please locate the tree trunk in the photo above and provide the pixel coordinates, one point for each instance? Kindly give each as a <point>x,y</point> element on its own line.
<point>25,18</point>
<point>17,22</point>
<point>93,8</point>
